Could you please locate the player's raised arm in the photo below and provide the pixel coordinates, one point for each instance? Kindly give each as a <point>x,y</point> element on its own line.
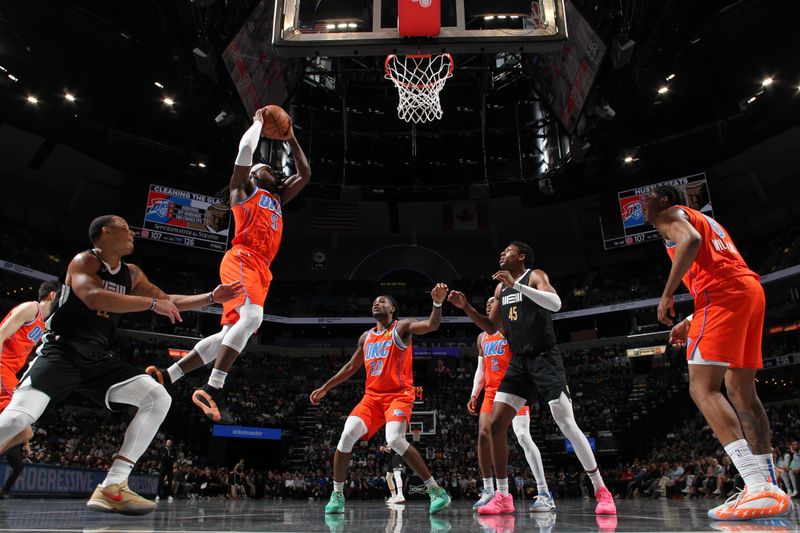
<point>421,327</point>
<point>244,159</point>
<point>344,373</point>
<point>538,289</point>
<point>142,286</point>
<point>490,323</point>
<point>673,226</point>
<point>295,183</point>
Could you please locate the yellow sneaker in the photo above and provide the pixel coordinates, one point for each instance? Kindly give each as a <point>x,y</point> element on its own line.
<point>119,498</point>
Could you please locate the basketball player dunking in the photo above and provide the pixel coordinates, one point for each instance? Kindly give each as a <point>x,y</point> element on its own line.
<point>723,343</point>
<point>98,286</point>
<point>494,356</point>
<point>20,331</point>
<point>385,351</point>
<point>527,301</point>
<point>257,195</point>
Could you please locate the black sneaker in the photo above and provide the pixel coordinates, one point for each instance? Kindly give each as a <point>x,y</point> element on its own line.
<point>210,401</point>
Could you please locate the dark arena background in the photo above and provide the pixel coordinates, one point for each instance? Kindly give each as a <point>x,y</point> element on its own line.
<point>557,119</point>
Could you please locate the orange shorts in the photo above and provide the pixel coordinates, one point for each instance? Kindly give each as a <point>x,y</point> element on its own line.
<point>241,264</point>
<point>8,382</point>
<point>378,409</point>
<point>727,325</point>
<point>488,403</point>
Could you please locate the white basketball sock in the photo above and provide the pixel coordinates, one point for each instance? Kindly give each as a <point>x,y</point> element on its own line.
<point>767,467</point>
<point>488,484</point>
<point>217,378</point>
<point>119,472</point>
<point>746,464</point>
<point>502,486</point>
<point>338,486</point>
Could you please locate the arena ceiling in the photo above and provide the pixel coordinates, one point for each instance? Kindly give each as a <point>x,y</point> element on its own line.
<point>110,55</point>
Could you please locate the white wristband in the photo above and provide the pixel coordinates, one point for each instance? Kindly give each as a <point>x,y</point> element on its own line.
<point>437,305</point>
<point>690,317</point>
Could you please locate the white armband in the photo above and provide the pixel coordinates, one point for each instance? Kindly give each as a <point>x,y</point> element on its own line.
<point>548,300</point>
<point>690,317</point>
<point>477,382</point>
<point>248,144</point>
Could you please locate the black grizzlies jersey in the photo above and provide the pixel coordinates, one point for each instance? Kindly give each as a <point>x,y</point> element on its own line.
<point>528,326</point>
<point>74,322</point>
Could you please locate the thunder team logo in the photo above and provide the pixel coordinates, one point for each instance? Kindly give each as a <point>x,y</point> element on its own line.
<point>632,211</point>
<point>160,211</point>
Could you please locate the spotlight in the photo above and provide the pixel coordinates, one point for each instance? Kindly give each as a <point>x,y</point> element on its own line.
<point>352,25</point>
<point>169,101</point>
<point>341,25</point>
<point>488,17</point>
<point>3,68</point>
<point>751,99</point>
<point>69,97</point>
<point>12,77</point>
<point>663,89</point>
<point>33,100</point>
<point>201,165</point>
<point>628,159</point>
<point>671,77</point>
<point>158,84</point>
<point>766,82</point>
<point>330,26</point>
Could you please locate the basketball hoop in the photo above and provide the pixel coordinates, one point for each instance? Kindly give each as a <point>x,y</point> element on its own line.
<point>415,434</point>
<point>419,79</point>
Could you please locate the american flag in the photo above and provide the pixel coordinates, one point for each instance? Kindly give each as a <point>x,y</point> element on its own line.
<point>334,215</point>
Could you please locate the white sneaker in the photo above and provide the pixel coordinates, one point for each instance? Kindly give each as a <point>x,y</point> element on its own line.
<point>397,498</point>
<point>170,499</point>
<point>158,499</point>
<point>486,496</point>
<point>543,503</point>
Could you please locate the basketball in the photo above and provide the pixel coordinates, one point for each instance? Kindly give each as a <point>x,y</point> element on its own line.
<point>276,123</point>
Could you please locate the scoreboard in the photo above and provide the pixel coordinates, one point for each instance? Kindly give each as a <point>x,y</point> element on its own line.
<point>185,218</point>
<point>627,227</point>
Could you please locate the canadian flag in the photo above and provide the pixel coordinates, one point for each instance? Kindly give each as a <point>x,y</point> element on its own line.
<point>465,216</point>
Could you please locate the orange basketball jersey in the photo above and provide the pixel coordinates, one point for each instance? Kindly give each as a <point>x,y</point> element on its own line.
<point>717,259</point>
<point>259,224</point>
<point>388,362</point>
<point>496,357</point>
<point>17,347</point>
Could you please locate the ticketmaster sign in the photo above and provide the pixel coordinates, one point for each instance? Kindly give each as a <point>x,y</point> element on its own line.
<point>243,432</point>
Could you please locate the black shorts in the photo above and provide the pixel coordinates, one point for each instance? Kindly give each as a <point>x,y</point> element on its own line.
<point>62,368</point>
<point>542,373</point>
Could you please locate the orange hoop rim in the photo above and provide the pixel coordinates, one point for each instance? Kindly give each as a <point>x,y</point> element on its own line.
<point>407,85</point>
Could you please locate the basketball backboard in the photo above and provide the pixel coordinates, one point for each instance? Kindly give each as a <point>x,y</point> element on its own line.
<point>310,28</point>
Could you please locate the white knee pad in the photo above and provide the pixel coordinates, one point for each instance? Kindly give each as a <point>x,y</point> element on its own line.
<point>208,348</point>
<point>250,318</point>
<point>522,426</point>
<point>354,429</point>
<point>142,393</point>
<point>396,437</point>
<point>510,399</point>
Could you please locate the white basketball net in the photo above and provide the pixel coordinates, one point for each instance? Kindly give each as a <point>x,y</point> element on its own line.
<point>419,79</point>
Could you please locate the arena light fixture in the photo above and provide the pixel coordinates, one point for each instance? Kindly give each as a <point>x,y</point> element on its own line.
<point>751,99</point>
<point>671,77</point>
<point>663,89</point>
<point>330,26</point>
<point>766,82</point>
<point>201,164</point>
<point>158,84</point>
<point>69,97</point>
<point>352,25</point>
<point>32,100</point>
<point>341,25</point>
<point>628,159</point>
<point>168,101</point>
<point>2,68</point>
<point>12,77</point>
<point>488,17</point>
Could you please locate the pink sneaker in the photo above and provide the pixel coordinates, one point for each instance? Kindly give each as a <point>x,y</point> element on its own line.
<point>605,502</point>
<point>498,505</point>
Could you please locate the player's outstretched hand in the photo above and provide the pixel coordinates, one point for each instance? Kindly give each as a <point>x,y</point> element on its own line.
<point>679,334</point>
<point>317,395</point>
<point>504,277</point>
<point>471,405</point>
<point>223,293</point>
<point>167,308</point>
<point>439,293</point>
<point>457,299</point>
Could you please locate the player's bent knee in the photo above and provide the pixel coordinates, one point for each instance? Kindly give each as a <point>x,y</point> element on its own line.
<point>354,429</point>
<point>399,444</point>
<point>16,421</point>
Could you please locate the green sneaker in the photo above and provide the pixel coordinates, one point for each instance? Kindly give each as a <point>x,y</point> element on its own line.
<point>336,503</point>
<point>439,499</point>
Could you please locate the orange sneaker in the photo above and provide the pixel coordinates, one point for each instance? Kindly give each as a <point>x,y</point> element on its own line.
<point>156,373</point>
<point>768,501</point>
<point>211,403</point>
